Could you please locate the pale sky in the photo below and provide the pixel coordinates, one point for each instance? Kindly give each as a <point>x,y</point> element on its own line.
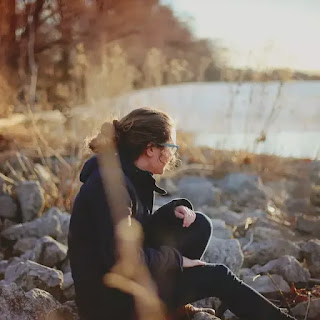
<point>259,33</point>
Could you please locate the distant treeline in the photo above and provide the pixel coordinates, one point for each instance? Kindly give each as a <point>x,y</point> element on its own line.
<point>60,53</point>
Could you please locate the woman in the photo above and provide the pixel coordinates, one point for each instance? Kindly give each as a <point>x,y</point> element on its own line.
<point>175,236</point>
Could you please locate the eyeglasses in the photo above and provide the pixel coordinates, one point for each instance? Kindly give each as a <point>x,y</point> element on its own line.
<point>173,147</point>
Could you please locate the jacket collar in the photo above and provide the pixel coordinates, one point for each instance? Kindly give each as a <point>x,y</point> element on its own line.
<point>139,176</point>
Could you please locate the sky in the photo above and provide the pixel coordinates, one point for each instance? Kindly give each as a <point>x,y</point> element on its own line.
<point>258,33</point>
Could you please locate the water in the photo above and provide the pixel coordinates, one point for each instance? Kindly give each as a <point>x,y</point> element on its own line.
<point>232,116</point>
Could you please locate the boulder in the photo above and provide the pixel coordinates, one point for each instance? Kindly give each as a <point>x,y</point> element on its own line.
<point>263,234</point>
<point>288,267</point>
<point>264,284</point>
<point>200,191</point>
<point>300,310</point>
<point>29,275</point>
<point>226,252</point>
<point>219,229</point>
<point>47,252</point>
<point>24,244</point>
<point>31,199</point>
<point>311,252</point>
<point>246,272</point>
<point>36,304</point>
<point>264,251</point>
<point>40,227</point>
<point>68,287</point>
<point>8,207</point>
<point>223,213</point>
<point>245,190</point>
<point>64,219</point>
<point>308,224</point>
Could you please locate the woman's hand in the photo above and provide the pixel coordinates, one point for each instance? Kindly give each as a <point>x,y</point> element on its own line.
<point>186,214</point>
<point>188,263</point>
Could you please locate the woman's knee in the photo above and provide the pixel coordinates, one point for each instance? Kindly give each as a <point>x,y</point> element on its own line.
<point>203,224</point>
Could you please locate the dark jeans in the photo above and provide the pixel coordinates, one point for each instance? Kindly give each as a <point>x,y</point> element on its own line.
<point>212,280</point>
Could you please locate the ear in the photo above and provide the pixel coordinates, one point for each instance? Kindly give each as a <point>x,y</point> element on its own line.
<point>149,150</point>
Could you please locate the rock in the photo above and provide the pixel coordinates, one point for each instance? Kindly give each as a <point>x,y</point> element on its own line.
<point>311,252</point>
<point>24,244</point>
<point>315,194</point>
<point>8,207</point>
<point>223,213</point>
<point>68,287</point>
<point>200,191</point>
<point>226,252</point>
<point>64,219</point>
<point>264,251</point>
<point>263,233</point>
<point>47,252</point>
<point>43,226</point>
<point>29,275</point>
<point>308,224</point>
<point>31,198</point>
<point>288,267</point>
<point>36,304</point>
<point>246,272</point>
<point>264,284</point>
<point>3,268</point>
<point>294,205</point>
<point>219,229</point>
<point>228,315</point>
<point>65,266</point>
<point>300,309</point>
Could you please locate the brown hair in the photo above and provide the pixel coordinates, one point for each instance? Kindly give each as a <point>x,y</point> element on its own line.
<point>134,132</point>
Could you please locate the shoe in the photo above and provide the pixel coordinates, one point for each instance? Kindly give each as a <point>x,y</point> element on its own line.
<point>187,312</point>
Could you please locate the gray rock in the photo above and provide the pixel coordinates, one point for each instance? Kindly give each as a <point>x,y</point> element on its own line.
<point>288,267</point>
<point>65,266</point>
<point>264,233</point>
<point>300,309</point>
<point>29,275</point>
<point>294,205</point>
<point>226,252</point>
<point>223,213</point>
<point>64,219</point>
<point>219,229</point>
<point>3,267</point>
<point>68,287</point>
<point>8,207</point>
<point>245,189</point>
<point>36,304</point>
<point>246,272</point>
<point>24,244</point>
<point>315,194</point>
<point>47,252</point>
<point>262,252</point>
<point>237,182</point>
<point>31,198</point>
<point>264,284</point>
<point>311,252</point>
<point>200,191</point>
<point>308,224</point>
<point>43,226</point>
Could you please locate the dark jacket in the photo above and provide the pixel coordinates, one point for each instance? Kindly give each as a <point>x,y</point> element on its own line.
<point>91,240</point>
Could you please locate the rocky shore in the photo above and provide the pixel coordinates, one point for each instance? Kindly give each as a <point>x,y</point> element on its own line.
<point>267,232</point>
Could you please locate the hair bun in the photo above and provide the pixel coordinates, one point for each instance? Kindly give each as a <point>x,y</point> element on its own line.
<point>107,129</point>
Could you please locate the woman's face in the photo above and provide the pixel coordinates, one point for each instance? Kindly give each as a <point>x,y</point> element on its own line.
<point>160,156</point>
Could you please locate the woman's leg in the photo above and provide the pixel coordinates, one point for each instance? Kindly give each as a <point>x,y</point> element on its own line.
<point>191,242</point>
<point>217,280</point>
